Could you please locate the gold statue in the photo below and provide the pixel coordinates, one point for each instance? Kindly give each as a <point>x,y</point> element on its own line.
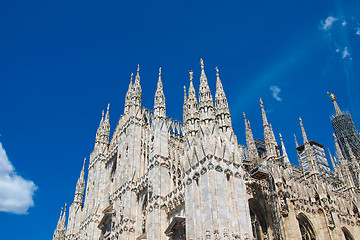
<point>332,96</point>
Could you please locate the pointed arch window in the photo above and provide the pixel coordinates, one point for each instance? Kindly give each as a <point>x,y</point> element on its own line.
<point>306,230</point>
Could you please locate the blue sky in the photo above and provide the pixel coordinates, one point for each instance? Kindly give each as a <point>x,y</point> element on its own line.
<point>61,62</point>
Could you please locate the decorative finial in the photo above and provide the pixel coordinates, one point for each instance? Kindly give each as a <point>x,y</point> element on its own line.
<point>191,75</point>
<point>300,120</point>
<point>217,72</point>
<point>108,106</point>
<point>138,69</point>
<point>84,161</point>
<point>131,78</point>
<point>102,115</point>
<point>160,72</point>
<point>244,115</point>
<point>202,64</point>
<point>332,96</point>
<point>261,102</point>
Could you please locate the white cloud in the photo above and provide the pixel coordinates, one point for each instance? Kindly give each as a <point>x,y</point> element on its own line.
<point>16,193</point>
<point>345,53</point>
<point>275,92</point>
<point>344,23</point>
<point>328,22</point>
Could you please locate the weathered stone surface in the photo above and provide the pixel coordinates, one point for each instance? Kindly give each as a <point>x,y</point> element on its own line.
<point>157,178</point>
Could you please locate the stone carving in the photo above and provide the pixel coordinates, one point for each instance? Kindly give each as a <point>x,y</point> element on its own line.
<point>155,170</point>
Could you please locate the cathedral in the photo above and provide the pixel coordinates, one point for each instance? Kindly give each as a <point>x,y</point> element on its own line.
<point>157,178</point>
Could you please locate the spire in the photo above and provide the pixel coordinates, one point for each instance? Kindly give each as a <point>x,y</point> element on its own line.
<point>80,186</point>
<point>191,87</point>
<point>218,81</point>
<point>265,121</point>
<point>128,96</point>
<point>185,99</point>
<point>60,217</point>
<point>192,94</point>
<point>137,78</point>
<point>222,111</point>
<point>303,131</point>
<point>252,150</point>
<point>192,112</point>
<point>286,158</point>
<point>270,143</point>
<point>61,213</point>
<point>102,117</point>
<point>98,132</point>
<point>103,131</point>
<point>272,134</point>
<point>310,158</point>
<point>107,113</point>
<point>184,106</point>
<point>336,106</point>
<point>332,160</point>
<point>136,96</point>
<point>159,102</point>
<point>159,83</point>
<point>59,233</point>
<point>82,174</point>
<point>64,215</point>
<point>297,152</point>
<point>206,105</point>
<point>130,85</point>
<point>296,142</point>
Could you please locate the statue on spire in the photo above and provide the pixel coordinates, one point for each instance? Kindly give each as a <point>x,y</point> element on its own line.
<point>332,96</point>
<point>336,106</point>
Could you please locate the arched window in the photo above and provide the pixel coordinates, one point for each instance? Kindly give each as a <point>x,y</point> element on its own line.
<point>306,230</point>
<point>347,234</point>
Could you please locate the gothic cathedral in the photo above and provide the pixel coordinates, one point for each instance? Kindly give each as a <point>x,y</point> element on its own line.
<point>157,178</point>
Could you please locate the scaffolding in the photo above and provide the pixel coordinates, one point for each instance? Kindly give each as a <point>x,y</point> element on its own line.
<point>345,130</point>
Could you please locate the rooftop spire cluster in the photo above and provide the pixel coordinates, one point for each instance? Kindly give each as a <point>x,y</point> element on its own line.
<point>157,178</point>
